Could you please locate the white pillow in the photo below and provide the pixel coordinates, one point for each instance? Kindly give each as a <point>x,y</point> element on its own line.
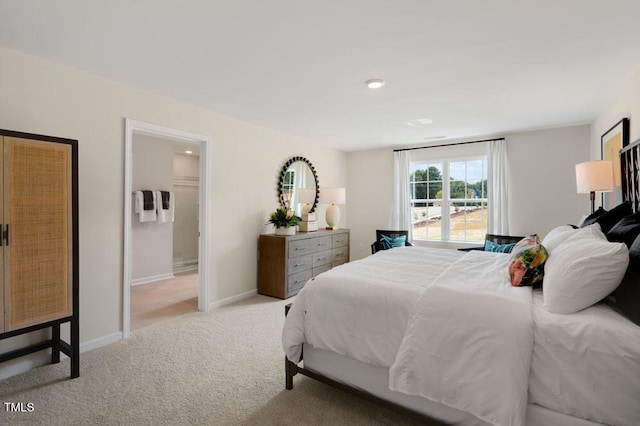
<point>563,233</point>
<point>591,231</point>
<point>582,270</point>
<point>556,236</point>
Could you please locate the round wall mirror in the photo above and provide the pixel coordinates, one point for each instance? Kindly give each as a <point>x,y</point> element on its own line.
<point>298,188</point>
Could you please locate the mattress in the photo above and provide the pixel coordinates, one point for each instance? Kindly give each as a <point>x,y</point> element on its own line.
<point>586,364</point>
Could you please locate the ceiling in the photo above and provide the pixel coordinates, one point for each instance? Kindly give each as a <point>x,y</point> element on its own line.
<point>474,68</point>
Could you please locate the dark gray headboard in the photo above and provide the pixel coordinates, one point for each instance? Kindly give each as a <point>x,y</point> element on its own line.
<point>630,174</point>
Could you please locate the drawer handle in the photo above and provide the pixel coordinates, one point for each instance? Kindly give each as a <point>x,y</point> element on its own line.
<point>299,264</point>
<point>300,248</point>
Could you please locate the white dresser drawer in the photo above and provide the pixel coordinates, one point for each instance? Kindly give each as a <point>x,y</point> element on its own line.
<point>340,240</point>
<point>297,281</point>
<point>322,258</point>
<point>321,269</point>
<point>300,263</point>
<point>300,247</point>
<point>321,243</point>
<point>340,254</point>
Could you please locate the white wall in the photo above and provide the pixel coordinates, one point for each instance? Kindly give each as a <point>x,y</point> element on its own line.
<point>542,192</point>
<point>369,197</point>
<point>625,103</point>
<point>152,242</point>
<point>186,165</point>
<point>42,97</point>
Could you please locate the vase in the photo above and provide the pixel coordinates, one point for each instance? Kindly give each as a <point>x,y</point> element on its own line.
<point>291,230</point>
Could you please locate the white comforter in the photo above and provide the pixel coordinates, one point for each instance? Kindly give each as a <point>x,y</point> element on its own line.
<point>468,344</point>
<point>457,333</point>
<point>361,309</point>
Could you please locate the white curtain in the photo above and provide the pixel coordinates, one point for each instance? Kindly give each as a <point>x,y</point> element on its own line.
<point>498,188</point>
<point>401,218</point>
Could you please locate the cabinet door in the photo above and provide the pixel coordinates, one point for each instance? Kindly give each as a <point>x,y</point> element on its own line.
<point>2,287</point>
<point>38,254</point>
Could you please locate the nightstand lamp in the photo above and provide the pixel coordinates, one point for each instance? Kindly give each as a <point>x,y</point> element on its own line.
<point>593,176</point>
<point>333,196</point>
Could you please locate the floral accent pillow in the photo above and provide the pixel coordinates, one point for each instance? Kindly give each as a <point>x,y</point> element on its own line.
<point>526,267</point>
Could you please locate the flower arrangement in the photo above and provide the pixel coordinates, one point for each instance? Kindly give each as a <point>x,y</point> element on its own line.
<point>284,218</point>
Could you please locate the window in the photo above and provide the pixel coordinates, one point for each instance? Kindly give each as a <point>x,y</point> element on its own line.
<point>449,199</point>
<point>287,187</point>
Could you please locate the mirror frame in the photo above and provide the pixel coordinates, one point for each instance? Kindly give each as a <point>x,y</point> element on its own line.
<point>283,174</point>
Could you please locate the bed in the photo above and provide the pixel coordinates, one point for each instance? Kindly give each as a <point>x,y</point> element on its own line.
<point>444,336</point>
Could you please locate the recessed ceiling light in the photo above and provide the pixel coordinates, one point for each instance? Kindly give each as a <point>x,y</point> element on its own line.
<point>419,122</point>
<point>188,152</point>
<point>374,83</point>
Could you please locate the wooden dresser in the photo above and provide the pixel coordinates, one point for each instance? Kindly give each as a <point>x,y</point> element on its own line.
<point>286,263</point>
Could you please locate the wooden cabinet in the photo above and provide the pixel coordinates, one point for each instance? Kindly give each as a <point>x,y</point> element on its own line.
<point>286,263</point>
<point>39,241</point>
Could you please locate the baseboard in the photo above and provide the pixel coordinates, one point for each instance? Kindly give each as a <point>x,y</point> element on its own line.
<point>25,363</point>
<point>185,262</point>
<point>185,267</point>
<point>152,279</point>
<point>97,343</point>
<point>232,299</point>
<point>38,359</point>
<point>100,341</point>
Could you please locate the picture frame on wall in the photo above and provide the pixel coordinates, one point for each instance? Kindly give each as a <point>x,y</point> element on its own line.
<point>611,142</point>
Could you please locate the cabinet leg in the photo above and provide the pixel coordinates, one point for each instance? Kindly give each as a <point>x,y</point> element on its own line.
<point>55,347</point>
<point>75,347</point>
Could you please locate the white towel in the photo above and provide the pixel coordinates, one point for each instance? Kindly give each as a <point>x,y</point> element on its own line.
<point>145,215</point>
<point>168,214</point>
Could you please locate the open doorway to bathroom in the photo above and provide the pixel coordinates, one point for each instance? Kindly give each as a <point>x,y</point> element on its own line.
<point>164,280</point>
<point>164,272</point>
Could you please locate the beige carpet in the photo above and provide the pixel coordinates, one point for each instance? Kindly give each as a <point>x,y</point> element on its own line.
<point>224,367</point>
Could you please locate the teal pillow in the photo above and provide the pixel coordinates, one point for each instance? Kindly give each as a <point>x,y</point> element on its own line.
<point>498,248</point>
<point>389,242</point>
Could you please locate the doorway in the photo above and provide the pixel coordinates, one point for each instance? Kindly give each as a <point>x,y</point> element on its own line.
<point>187,257</point>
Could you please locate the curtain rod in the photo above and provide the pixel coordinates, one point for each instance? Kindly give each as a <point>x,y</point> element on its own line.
<point>447,144</point>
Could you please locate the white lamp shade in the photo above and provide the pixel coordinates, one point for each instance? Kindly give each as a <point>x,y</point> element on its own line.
<point>594,176</point>
<point>333,195</point>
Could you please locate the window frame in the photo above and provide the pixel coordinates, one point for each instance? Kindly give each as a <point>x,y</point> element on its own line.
<point>446,202</point>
